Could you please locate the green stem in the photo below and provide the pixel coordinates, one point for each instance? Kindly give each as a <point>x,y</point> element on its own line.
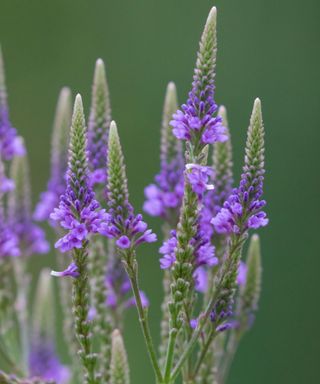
<point>235,250</point>
<point>143,318</point>
<point>170,355</point>
<point>204,351</point>
<point>80,309</point>
<point>22,283</point>
<point>231,348</point>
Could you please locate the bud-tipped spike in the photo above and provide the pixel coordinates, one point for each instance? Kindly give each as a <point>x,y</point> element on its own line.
<point>117,179</point>
<point>119,368</point>
<point>3,92</point>
<point>170,146</point>
<point>99,124</point>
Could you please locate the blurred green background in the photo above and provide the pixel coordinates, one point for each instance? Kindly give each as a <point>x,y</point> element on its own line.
<point>268,49</point>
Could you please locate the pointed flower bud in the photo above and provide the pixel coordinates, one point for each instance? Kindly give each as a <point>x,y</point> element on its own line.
<point>128,229</point>
<point>78,212</point>
<point>250,291</point>
<point>31,237</point>
<point>243,209</point>
<point>119,370</point>
<point>99,124</point>
<point>196,121</point>
<point>164,197</point>
<point>59,153</point>
<point>10,144</point>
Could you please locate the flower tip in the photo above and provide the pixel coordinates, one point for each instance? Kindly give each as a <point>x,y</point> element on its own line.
<point>113,129</point>
<point>78,102</point>
<point>99,63</point>
<point>212,17</point>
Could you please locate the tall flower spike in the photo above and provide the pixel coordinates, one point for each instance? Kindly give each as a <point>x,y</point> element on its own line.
<point>119,361</point>
<point>128,229</point>
<point>10,144</point>
<point>31,237</point>
<point>243,209</point>
<point>78,212</point>
<point>195,121</point>
<point>99,124</point>
<point>43,360</point>
<point>59,157</point>
<point>164,197</point>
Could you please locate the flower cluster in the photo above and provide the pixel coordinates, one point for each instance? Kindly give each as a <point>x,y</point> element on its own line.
<point>167,192</point>
<point>203,251</point>
<point>198,177</point>
<point>31,237</point>
<point>98,126</point>
<point>80,215</point>
<point>196,117</point>
<point>9,244</point>
<point>44,363</point>
<point>10,144</point>
<point>128,229</point>
<point>78,211</point>
<point>242,210</point>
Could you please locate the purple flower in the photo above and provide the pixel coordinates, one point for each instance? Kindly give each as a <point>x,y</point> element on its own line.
<point>196,119</point>
<point>71,271</point>
<point>6,185</point>
<point>242,273</point>
<point>198,176</point>
<point>203,251</point>
<point>10,144</point>
<point>123,242</point>
<point>78,212</point>
<point>165,196</point>
<point>200,276</point>
<point>242,210</point>
<point>128,229</point>
<point>45,364</point>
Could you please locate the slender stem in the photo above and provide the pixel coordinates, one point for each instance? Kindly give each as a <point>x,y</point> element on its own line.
<point>144,321</point>
<point>22,280</point>
<point>231,348</point>
<point>235,247</point>
<point>204,351</point>
<point>83,327</point>
<point>170,355</point>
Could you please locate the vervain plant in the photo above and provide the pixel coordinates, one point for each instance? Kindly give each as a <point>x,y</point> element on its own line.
<point>211,291</point>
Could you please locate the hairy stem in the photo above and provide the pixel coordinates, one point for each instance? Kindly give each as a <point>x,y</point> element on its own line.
<point>131,269</point>
<point>80,310</point>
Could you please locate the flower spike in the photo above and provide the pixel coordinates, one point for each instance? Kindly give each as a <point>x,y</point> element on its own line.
<point>164,196</point>
<point>60,141</point>
<point>196,121</point>
<point>78,212</point>
<point>243,209</point>
<point>99,124</point>
<point>10,144</point>
<point>31,237</point>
